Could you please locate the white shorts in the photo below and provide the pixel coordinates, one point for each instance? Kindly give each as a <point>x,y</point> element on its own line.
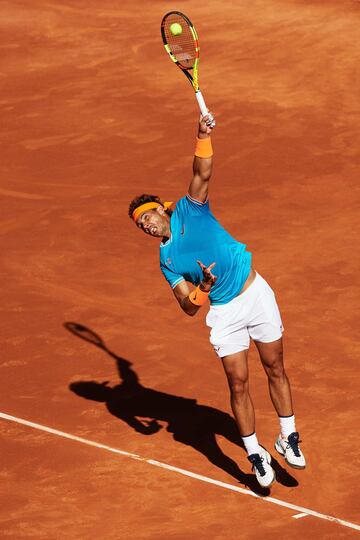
<point>253,314</point>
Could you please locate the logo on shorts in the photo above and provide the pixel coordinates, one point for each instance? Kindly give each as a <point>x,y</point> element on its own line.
<point>217,349</point>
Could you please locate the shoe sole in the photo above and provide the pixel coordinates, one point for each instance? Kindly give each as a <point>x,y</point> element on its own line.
<point>281,452</point>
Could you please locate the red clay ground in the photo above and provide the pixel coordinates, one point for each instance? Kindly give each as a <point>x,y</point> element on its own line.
<point>93,113</point>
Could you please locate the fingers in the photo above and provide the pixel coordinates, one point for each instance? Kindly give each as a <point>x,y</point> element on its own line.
<point>208,120</point>
<point>208,275</point>
<point>203,267</point>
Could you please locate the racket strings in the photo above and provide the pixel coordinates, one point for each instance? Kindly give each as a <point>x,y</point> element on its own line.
<point>84,333</point>
<point>183,46</point>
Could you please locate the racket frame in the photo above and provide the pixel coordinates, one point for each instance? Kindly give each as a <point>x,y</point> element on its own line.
<point>193,78</point>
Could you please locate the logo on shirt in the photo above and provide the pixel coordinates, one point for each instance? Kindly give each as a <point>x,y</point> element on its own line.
<point>168,261</point>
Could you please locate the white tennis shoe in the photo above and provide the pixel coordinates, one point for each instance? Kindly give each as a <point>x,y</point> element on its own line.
<point>261,464</point>
<point>290,450</point>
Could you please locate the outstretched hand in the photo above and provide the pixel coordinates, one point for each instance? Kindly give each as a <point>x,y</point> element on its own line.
<point>208,279</point>
<point>206,124</point>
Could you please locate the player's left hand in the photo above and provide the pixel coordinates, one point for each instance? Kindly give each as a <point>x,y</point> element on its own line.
<point>208,279</point>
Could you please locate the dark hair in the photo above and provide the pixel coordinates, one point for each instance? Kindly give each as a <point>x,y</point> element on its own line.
<point>142,199</point>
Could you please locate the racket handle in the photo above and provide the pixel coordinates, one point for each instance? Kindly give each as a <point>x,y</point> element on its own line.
<point>203,108</point>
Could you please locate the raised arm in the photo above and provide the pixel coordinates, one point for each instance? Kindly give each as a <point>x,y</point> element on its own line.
<point>202,165</point>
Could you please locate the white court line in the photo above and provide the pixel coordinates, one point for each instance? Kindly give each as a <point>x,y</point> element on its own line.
<point>298,516</point>
<point>302,510</point>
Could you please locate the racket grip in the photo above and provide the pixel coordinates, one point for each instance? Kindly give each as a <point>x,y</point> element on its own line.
<point>203,108</point>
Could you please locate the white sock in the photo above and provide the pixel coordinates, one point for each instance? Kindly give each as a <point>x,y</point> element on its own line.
<point>251,444</point>
<point>287,425</point>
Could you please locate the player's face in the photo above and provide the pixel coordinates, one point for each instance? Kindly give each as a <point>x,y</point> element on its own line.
<point>154,223</point>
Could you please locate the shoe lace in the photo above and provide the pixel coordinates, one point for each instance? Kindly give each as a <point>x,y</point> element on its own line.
<point>257,463</point>
<point>293,443</point>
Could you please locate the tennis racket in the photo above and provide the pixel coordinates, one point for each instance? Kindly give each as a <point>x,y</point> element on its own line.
<point>85,333</point>
<point>182,44</point>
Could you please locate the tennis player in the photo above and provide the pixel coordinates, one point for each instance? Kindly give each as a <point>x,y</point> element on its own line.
<point>195,250</point>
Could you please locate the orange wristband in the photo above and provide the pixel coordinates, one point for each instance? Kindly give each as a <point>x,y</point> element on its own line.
<point>198,297</point>
<point>203,148</point>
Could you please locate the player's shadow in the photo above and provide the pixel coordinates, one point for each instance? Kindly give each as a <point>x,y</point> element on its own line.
<point>190,423</point>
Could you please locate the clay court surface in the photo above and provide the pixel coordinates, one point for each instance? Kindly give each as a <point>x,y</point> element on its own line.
<point>93,113</point>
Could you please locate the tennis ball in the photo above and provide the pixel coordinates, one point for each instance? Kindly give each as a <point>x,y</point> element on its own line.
<point>176,29</point>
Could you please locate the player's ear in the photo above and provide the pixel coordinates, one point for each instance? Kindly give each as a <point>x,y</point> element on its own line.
<point>161,210</point>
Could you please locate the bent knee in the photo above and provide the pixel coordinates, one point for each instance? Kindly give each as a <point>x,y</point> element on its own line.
<point>238,386</point>
<point>274,366</point>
